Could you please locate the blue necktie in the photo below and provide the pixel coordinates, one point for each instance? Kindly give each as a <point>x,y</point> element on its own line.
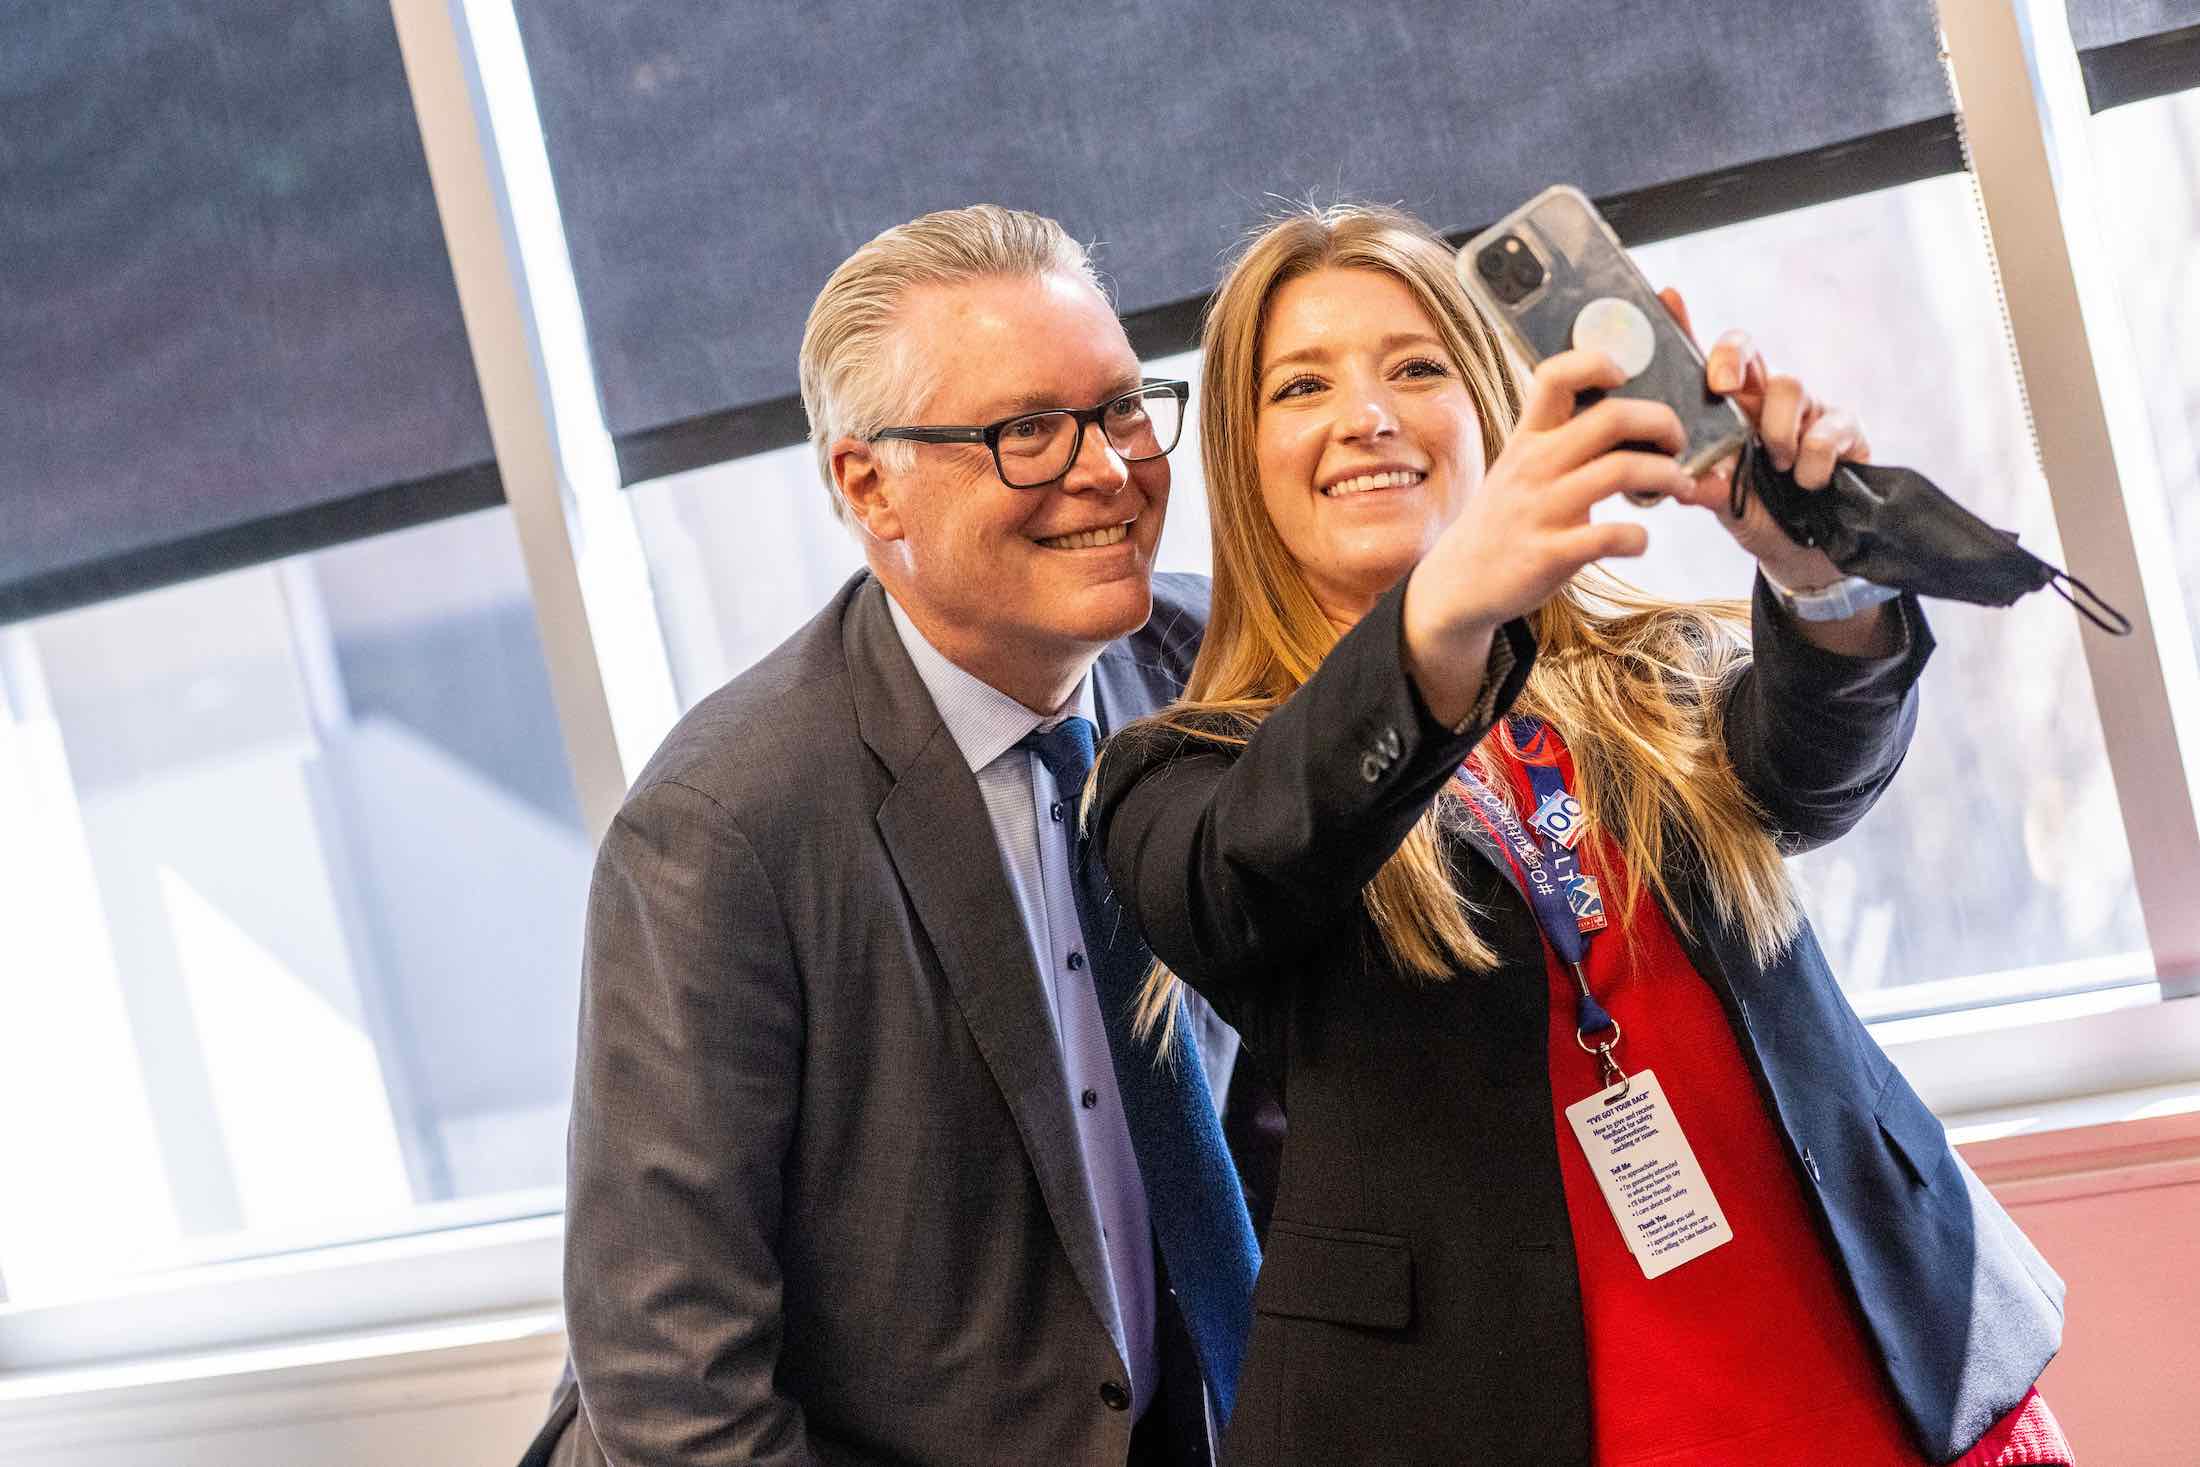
<point>1192,1190</point>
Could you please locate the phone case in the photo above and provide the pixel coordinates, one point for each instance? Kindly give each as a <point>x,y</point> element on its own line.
<point>1592,294</point>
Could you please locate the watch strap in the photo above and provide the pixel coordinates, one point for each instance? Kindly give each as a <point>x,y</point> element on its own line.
<point>1836,602</point>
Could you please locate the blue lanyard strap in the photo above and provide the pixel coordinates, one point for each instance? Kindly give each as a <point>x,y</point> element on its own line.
<point>1561,894</point>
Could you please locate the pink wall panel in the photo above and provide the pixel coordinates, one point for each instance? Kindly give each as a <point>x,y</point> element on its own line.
<point>2116,1209</point>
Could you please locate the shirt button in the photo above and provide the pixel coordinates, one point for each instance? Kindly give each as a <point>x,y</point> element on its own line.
<point>1089,1099</point>
<point>1114,1397</point>
<point>1076,961</point>
<point>1055,811</point>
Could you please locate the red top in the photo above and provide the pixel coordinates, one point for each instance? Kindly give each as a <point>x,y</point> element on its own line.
<point>1751,1355</point>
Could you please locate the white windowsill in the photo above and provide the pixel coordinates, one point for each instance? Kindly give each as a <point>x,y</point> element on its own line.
<point>2055,1055</point>
<point>489,1358</point>
<point>352,1290</point>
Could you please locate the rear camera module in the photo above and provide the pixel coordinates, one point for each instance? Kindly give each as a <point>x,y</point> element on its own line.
<point>1510,268</point>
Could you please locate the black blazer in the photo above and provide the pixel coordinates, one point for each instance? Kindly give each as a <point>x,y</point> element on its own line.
<point>1419,1301</point>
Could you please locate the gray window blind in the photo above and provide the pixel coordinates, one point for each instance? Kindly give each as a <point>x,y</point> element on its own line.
<point>228,329</point>
<point>2130,50</point>
<point>715,161</point>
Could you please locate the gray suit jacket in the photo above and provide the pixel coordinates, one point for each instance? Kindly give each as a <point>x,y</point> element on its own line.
<point>826,1202</point>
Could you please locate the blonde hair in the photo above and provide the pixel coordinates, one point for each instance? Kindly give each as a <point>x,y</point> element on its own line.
<point>1631,682</point>
<point>860,372</point>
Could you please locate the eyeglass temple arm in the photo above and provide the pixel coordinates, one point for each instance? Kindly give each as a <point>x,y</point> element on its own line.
<point>932,435</point>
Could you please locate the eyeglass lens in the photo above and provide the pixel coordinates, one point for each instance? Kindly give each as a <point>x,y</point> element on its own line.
<point>1038,449</point>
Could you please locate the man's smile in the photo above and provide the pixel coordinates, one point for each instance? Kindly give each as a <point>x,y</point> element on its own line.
<point>1095,539</point>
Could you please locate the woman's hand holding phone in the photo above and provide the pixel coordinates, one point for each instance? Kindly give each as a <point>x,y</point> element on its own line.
<point>1804,437</point>
<point>1799,431</point>
<point>1525,529</point>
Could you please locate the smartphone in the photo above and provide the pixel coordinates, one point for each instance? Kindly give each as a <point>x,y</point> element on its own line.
<point>1554,276</point>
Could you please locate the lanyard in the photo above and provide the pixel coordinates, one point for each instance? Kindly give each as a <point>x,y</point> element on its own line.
<point>1567,902</point>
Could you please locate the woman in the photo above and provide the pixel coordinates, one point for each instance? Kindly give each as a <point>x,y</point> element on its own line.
<point>1353,838</point>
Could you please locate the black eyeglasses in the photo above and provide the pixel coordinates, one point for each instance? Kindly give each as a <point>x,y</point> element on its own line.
<point>1032,449</point>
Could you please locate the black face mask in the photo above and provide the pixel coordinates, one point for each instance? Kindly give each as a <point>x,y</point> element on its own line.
<point>1894,527</point>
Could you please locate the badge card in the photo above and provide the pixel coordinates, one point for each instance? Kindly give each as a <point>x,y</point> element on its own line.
<point>1648,1174</point>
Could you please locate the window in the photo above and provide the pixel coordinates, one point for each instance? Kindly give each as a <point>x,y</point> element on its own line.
<point>2146,157</point>
<point>290,923</point>
<point>1996,865</point>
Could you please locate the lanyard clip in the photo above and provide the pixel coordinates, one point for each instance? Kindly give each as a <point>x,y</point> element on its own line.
<point>1609,1072</point>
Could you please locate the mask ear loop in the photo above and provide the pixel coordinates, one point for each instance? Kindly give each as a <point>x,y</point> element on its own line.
<point>2120,626</point>
<point>1737,489</point>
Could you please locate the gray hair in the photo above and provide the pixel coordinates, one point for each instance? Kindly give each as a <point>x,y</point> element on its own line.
<point>860,373</point>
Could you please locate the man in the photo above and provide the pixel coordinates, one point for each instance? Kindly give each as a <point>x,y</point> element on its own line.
<point>852,1165</point>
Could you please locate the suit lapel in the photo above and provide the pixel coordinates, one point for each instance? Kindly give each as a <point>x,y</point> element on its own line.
<point>936,831</point>
<point>1124,687</point>
<point>1119,693</point>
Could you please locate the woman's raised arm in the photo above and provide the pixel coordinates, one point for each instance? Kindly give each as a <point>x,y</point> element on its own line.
<point>1234,858</point>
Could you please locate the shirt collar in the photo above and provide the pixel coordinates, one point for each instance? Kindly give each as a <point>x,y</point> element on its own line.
<point>984,721</point>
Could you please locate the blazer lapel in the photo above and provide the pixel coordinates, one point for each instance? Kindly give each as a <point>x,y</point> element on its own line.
<point>936,831</point>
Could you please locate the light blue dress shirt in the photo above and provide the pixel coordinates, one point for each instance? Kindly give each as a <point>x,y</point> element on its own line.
<point>1031,823</point>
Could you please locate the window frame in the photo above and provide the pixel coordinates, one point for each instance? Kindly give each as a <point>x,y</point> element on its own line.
<point>614,693</point>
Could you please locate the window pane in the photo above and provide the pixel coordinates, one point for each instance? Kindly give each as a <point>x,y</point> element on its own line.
<point>291,879</point>
<point>1999,849</point>
<point>740,554</point>
<point>2147,162</point>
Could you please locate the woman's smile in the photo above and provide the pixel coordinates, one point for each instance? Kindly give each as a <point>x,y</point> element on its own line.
<point>1367,439</point>
<point>1370,480</point>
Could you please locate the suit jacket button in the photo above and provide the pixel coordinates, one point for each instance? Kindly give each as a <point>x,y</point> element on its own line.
<point>1114,1397</point>
<point>1089,1099</point>
<point>1371,767</point>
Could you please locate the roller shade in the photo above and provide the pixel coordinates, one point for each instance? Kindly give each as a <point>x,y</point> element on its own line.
<point>228,329</point>
<point>714,161</point>
<point>2130,50</point>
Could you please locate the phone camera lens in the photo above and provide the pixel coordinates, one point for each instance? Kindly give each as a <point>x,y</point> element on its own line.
<point>1510,268</point>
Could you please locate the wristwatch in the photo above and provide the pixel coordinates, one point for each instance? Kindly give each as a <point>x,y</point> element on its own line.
<point>1837,602</point>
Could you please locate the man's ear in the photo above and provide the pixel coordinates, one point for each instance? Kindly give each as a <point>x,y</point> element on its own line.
<point>862,484</point>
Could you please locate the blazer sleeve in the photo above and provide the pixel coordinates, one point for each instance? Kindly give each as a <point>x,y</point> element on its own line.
<point>1233,860</point>
<point>683,1107</point>
<point>1816,736</point>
